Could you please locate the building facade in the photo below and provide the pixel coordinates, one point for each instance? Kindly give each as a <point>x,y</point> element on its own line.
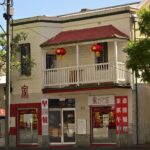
<point>79,92</point>
<point>2,109</point>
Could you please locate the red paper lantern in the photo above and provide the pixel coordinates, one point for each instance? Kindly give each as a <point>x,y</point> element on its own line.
<point>97,48</point>
<point>60,51</point>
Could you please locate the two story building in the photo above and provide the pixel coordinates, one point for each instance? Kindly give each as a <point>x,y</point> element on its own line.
<point>79,92</point>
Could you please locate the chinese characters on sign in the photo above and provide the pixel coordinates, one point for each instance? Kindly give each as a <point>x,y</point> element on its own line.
<point>44,106</point>
<point>24,91</point>
<point>121,103</point>
<point>44,117</point>
<point>101,100</point>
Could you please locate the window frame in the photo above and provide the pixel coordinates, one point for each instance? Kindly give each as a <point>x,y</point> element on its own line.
<point>103,58</point>
<point>50,61</point>
<point>25,51</point>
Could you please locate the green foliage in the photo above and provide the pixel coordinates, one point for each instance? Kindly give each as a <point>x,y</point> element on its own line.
<point>138,51</point>
<point>2,52</point>
<point>139,58</point>
<point>144,22</point>
<point>15,50</point>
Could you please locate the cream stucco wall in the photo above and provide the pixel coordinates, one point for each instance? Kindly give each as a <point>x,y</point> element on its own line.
<point>37,33</point>
<point>120,21</point>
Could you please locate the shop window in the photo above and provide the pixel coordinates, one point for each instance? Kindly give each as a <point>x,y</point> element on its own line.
<point>67,103</point>
<point>25,59</point>
<point>104,117</point>
<point>103,125</point>
<point>50,61</point>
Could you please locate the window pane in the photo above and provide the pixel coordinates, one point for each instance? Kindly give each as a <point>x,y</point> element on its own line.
<point>50,61</point>
<point>25,59</point>
<point>27,126</point>
<point>103,123</point>
<point>55,126</point>
<point>103,55</point>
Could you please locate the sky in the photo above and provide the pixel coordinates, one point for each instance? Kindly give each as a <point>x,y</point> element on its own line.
<point>30,8</point>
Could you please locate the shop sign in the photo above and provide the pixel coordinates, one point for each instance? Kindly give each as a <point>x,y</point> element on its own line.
<point>45,119</point>
<point>24,91</point>
<point>44,103</point>
<point>101,100</point>
<point>121,103</point>
<point>2,112</point>
<point>44,106</point>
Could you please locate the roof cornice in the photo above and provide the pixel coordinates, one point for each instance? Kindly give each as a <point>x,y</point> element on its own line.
<point>25,21</point>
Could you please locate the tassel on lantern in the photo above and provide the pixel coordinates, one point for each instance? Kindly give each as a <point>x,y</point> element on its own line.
<point>98,54</point>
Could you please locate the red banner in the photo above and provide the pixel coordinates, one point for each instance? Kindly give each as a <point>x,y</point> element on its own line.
<point>121,103</point>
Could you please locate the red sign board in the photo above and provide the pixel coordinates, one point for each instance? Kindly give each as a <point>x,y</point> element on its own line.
<point>44,106</point>
<point>24,90</point>
<point>121,103</point>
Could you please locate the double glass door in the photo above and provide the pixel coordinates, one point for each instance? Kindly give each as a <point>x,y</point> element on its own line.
<point>61,126</point>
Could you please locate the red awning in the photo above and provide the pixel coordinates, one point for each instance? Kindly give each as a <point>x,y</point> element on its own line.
<point>87,34</point>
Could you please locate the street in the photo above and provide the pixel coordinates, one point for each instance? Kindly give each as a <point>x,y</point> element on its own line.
<point>137,147</point>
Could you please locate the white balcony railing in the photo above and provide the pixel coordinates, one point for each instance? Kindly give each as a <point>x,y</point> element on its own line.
<point>96,73</point>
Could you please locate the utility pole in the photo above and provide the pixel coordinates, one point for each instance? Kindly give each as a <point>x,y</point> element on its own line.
<point>7,16</point>
<point>135,20</point>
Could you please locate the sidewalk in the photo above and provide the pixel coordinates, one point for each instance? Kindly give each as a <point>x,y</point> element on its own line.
<point>136,147</point>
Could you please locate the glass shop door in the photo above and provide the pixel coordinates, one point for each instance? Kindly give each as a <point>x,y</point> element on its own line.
<point>61,126</point>
<point>27,126</point>
<point>55,126</point>
<point>68,125</point>
<point>103,125</point>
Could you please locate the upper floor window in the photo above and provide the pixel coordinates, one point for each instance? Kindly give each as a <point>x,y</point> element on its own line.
<point>50,61</point>
<point>103,58</point>
<point>25,59</point>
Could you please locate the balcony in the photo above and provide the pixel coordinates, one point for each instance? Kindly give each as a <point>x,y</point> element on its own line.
<point>86,74</point>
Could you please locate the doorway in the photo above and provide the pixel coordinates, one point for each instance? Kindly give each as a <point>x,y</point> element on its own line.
<point>103,125</point>
<point>61,126</point>
<point>27,126</point>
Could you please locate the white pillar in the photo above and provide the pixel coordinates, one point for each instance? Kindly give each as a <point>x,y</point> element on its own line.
<point>77,63</point>
<point>116,60</point>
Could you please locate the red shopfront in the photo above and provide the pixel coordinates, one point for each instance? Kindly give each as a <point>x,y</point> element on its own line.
<point>26,123</point>
<point>109,117</point>
<point>52,118</point>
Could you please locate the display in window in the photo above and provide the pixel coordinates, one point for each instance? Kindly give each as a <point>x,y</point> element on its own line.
<point>104,117</point>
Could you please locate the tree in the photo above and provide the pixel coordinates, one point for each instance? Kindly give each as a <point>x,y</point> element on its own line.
<point>15,49</point>
<point>138,51</point>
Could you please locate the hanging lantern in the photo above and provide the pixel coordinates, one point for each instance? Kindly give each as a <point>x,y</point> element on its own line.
<point>97,48</point>
<point>60,51</point>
